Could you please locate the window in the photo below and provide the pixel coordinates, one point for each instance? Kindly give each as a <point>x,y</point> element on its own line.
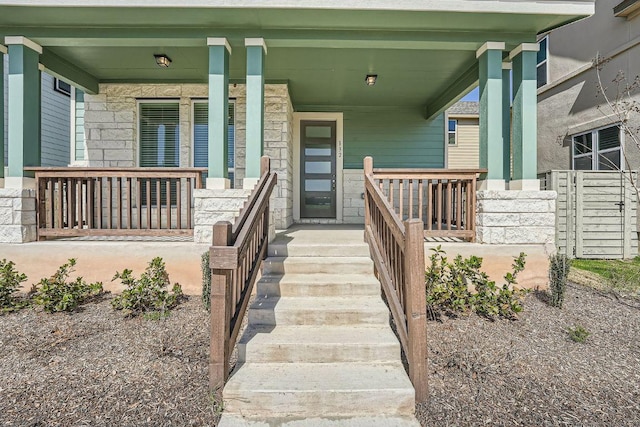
<point>598,150</point>
<point>201,137</point>
<point>62,87</point>
<point>159,141</point>
<point>542,68</point>
<point>453,132</point>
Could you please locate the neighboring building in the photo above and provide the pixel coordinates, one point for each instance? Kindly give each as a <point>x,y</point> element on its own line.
<point>573,132</point>
<point>463,135</point>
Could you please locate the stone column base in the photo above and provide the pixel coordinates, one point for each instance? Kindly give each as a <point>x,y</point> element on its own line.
<point>516,217</point>
<point>17,215</point>
<point>211,206</point>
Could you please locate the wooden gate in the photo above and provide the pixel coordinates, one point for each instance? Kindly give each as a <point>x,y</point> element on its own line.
<point>595,213</point>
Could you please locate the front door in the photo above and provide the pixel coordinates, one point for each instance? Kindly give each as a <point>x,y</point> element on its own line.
<point>317,169</point>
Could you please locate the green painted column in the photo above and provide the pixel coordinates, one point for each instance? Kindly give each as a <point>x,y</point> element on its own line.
<point>3,51</point>
<point>24,107</point>
<point>506,120</point>
<point>256,51</point>
<point>218,149</point>
<point>524,119</point>
<point>491,146</point>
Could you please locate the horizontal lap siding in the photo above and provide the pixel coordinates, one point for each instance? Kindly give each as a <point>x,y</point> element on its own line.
<point>395,138</point>
<point>465,154</point>
<point>55,124</point>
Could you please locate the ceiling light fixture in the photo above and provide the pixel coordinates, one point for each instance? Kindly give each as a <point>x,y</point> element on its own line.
<point>162,60</point>
<point>370,80</point>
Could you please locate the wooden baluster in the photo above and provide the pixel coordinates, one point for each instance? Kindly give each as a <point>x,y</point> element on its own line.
<point>129,205</point>
<point>449,205</point>
<point>458,205</point>
<point>148,188</point>
<point>179,204</point>
<point>109,203</point>
<point>467,223</point>
<point>99,202</point>
<point>158,204</point>
<point>119,203</point>
<point>220,324</point>
<point>139,203</point>
<point>401,197</point>
<point>430,206</point>
<point>71,207</point>
<point>391,193</point>
<point>90,202</point>
<point>410,199</point>
<point>420,204</point>
<point>168,190</point>
<point>51,208</point>
<point>60,208</point>
<point>79,201</point>
<point>439,206</point>
<point>188,201</point>
<point>473,211</point>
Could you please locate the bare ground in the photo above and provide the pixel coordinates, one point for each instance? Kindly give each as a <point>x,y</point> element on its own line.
<point>96,368</point>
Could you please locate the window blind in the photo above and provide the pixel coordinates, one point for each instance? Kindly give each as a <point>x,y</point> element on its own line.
<point>159,134</point>
<point>201,137</point>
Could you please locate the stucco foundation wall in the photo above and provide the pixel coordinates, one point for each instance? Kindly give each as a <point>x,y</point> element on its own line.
<point>353,204</point>
<point>17,215</point>
<point>516,217</point>
<point>111,131</point>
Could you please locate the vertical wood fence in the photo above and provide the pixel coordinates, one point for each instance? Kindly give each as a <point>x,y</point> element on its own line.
<point>115,201</point>
<point>443,199</point>
<point>235,260</point>
<point>397,249</point>
<point>595,213</point>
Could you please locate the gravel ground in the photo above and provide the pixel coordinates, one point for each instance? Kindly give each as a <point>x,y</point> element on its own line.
<point>96,368</point>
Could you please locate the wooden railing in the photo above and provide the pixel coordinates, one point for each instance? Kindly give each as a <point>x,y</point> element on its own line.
<point>115,201</point>
<point>397,250</point>
<point>235,260</point>
<point>444,199</point>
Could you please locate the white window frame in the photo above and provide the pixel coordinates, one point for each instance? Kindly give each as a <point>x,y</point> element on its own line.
<point>595,147</point>
<point>195,101</point>
<point>57,88</point>
<point>455,132</point>
<point>546,61</point>
<point>155,101</point>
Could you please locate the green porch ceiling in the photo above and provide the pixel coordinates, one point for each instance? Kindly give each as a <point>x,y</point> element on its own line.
<point>424,59</point>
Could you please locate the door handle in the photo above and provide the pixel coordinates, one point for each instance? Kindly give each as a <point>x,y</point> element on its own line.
<point>333,184</point>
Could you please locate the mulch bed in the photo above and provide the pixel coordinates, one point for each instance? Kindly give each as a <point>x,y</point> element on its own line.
<point>96,368</point>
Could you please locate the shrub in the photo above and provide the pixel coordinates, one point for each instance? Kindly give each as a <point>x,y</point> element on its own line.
<point>147,294</point>
<point>58,294</point>
<point>10,280</point>
<point>578,334</point>
<point>206,281</point>
<point>558,271</point>
<point>460,287</point>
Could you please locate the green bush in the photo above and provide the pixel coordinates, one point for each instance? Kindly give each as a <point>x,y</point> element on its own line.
<point>558,271</point>
<point>460,287</point>
<point>147,294</point>
<point>206,281</point>
<point>10,280</point>
<point>578,334</point>
<point>58,294</point>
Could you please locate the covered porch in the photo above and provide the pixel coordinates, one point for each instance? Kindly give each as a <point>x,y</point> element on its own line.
<point>213,88</point>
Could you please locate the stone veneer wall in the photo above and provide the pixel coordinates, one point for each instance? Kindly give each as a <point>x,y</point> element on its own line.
<point>516,217</point>
<point>111,132</point>
<point>17,215</point>
<point>353,187</point>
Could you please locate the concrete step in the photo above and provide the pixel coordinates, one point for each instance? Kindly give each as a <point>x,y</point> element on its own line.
<point>318,344</point>
<point>333,265</point>
<point>305,390</point>
<point>323,284</point>
<point>278,248</point>
<point>363,310</point>
<point>228,420</point>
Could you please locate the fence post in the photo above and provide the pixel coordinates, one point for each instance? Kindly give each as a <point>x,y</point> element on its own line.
<point>415,306</point>
<point>220,312</point>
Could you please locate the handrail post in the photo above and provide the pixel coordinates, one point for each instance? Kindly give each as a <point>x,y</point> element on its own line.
<point>368,171</point>
<point>265,165</point>
<point>415,306</point>
<point>220,312</point>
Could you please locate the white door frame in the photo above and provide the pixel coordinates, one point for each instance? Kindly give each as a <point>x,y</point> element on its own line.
<point>329,117</point>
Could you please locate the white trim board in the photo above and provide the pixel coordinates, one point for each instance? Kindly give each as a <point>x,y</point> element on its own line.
<point>335,117</point>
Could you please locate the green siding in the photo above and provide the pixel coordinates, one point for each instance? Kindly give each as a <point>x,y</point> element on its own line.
<point>394,137</point>
<point>55,122</point>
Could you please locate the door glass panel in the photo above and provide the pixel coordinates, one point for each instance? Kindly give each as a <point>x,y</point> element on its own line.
<point>318,150</point>
<point>317,167</point>
<point>317,185</point>
<point>318,201</point>
<point>318,131</point>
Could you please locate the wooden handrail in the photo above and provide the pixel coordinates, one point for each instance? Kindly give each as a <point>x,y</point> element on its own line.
<point>235,259</point>
<point>397,250</point>
<point>86,201</point>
